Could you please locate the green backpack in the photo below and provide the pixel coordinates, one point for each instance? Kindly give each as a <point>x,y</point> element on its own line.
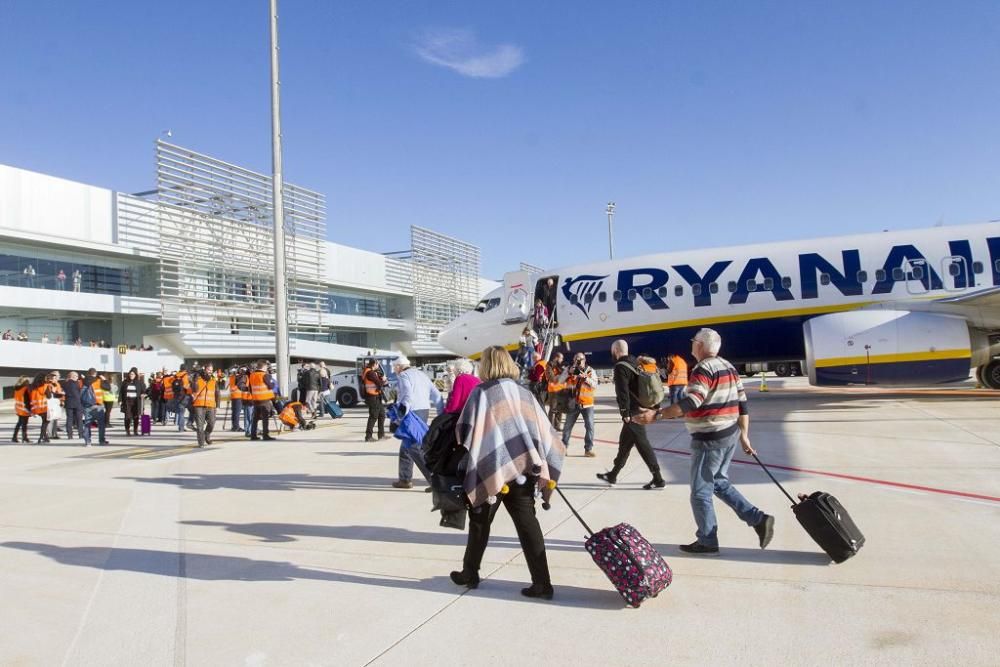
<point>649,387</point>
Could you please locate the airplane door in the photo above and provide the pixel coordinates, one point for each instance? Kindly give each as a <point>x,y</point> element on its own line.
<point>516,297</point>
<point>916,273</point>
<point>955,273</point>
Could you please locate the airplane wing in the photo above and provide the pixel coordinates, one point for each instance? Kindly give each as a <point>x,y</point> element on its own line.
<point>984,298</point>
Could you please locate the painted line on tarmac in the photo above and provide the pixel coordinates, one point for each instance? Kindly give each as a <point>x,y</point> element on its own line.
<point>839,475</point>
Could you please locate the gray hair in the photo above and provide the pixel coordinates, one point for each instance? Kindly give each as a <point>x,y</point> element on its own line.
<point>710,340</point>
<point>402,361</point>
<point>462,367</point>
<point>619,348</point>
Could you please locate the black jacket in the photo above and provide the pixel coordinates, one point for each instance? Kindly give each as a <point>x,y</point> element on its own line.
<point>140,388</point>
<point>627,387</point>
<point>72,391</point>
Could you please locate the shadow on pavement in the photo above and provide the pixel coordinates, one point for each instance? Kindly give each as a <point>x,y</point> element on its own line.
<point>777,556</point>
<point>206,567</point>
<point>289,532</point>
<point>289,482</point>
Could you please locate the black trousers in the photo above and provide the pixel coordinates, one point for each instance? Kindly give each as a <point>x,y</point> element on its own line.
<point>520,504</point>
<point>132,408</point>
<point>22,426</point>
<point>261,413</point>
<point>634,435</point>
<point>74,420</point>
<point>376,413</point>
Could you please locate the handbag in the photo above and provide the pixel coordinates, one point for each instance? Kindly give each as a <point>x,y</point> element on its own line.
<point>448,493</point>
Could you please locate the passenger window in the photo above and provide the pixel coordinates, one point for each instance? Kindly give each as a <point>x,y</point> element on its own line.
<point>879,275</point>
<point>751,286</point>
<point>731,286</point>
<point>662,292</point>
<point>679,290</point>
<point>996,265</point>
<point>647,293</point>
<point>824,279</point>
<point>617,296</point>
<point>977,267</point>
<point>769,283</point>
<point>917,272</point>
<point>786,282</point>
<point>602,297</point>
<point>897,274</point>
<point>696,289</point>
<point>632,294</point>
<point>714,288</point>
<point>588,299</point>
<point>953,269</point>
<point>574,299</point>
<point>862,276</point>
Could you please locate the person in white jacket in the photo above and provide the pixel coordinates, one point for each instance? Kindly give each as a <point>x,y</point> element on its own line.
<point>415,393</point>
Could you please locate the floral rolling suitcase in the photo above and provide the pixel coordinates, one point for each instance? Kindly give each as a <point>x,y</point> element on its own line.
<point>630,562</point>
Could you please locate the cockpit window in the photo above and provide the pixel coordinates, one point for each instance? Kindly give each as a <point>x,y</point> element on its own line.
<point>487,304</point>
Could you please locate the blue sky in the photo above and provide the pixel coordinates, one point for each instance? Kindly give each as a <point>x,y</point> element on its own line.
<point>512,124</point>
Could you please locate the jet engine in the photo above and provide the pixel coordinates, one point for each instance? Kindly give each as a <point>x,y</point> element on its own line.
<point>891,347</point>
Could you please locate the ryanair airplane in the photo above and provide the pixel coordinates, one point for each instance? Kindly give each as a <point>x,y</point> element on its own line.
<point>891,308</point>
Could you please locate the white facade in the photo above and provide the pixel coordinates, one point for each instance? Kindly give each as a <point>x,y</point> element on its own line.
<point>50,226</point>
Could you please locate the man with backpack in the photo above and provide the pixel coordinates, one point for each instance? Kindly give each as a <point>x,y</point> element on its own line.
<point>635,391</point>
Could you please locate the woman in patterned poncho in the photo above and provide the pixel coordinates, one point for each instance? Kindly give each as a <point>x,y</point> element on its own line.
<point>512,451</point>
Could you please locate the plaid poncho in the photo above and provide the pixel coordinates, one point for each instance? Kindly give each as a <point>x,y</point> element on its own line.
<point>507,435</point>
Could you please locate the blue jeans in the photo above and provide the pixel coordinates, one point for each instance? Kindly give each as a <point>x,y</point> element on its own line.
<point>413,455</point>
<point>709,466</point>
<point>588,425</point>
<point>181,416</point>
<point>247,416</point>
<point>677,392</point>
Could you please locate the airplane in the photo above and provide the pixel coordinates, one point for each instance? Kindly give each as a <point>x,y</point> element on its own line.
<point>890,308</point>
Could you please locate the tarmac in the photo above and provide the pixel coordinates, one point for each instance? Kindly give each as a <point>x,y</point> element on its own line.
<point>299,552</point>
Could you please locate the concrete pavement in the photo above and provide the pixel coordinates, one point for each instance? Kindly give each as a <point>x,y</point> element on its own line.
<point>298,552</point>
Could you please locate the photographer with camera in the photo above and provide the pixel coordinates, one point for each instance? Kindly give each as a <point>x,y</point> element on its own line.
<point>582,380</point>
<point>206,398</point>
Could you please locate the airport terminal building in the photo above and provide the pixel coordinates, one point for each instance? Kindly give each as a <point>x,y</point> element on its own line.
<point>94,277</point>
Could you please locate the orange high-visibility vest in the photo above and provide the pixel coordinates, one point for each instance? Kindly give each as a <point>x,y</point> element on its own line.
<point>98,391</point>
<point>258,388</point>
<point>39,400</point>
<point>234,391</point>
<point>21,401</point>
<point>204,395</point>
<point>585,395</point>
<point>649,366</point>
<point>371,382</point>
<point>185,381</point>
<point>168,387</point>
<point>552,374</point>
<point>288,415</point>
<point>678,371</point>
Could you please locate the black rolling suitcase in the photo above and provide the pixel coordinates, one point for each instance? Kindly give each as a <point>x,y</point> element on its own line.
<point>826,521</point>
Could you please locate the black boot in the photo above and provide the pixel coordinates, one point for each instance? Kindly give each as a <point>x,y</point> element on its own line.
<point>465,578</point>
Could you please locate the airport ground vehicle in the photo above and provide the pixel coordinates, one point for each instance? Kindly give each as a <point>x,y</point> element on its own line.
<point>346,386</point>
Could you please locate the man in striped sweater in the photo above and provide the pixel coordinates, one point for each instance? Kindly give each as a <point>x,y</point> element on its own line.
<point>715,413</point>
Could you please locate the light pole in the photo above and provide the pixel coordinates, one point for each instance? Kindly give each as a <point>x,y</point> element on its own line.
<point>610,210</point>
<point>277,186</point>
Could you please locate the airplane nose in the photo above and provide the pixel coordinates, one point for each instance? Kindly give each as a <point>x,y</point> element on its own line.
<point>449,337</point>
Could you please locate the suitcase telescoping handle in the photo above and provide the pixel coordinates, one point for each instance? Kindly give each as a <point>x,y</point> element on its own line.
<point>774,480</point>
<point>575,513</point>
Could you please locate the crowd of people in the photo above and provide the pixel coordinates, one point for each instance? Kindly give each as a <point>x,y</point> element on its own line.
<point>185,399</point>
<point>497,440</point>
